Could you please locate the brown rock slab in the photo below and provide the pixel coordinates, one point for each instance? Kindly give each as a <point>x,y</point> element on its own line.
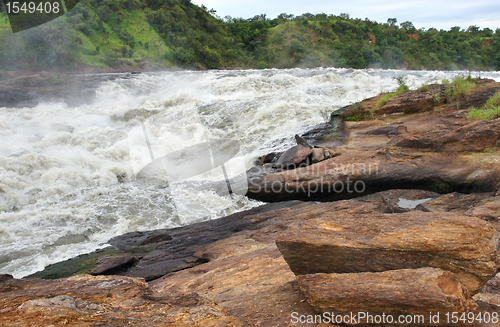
<point>415,292</point>
<point>344,243</point>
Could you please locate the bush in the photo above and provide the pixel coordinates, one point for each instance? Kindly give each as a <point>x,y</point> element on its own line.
<point>112,59</point>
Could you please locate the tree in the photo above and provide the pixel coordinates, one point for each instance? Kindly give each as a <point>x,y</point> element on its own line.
<point>392,22</point>
<point>408,26</point>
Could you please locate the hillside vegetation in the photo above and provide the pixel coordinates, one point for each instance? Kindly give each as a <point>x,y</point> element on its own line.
<point>172,33</point>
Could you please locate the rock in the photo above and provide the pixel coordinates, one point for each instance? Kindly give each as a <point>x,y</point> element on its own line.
<point>317,155</point>
<point>343,243</point>
<point>168,254</point>
<point>268,158</point>
<point>419,101</point>
<point>224,271</point>
<point>329,153</point>
<point>488,303</point>
<point>441,153</point>
<point>454,202</point>
<point>487,209</point>
<point>20,89</point>
<point>414,292</point>
<point>294,156</point>
<point>412,140</point>
<point>5,277</point>
<point>492,286</point>
<point>301,141</point>
<point>103,300</point>
<point>388,131</point>
<point>110,265</point>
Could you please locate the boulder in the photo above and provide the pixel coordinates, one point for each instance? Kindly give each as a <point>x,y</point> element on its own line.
<point>295,155</point>
<point>381,298</point>
<point>317,155</point>
<point>345,243</point>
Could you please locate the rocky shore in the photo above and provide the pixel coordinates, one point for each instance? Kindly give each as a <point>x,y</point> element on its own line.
<point>408,224</point>
<point>27,89</point>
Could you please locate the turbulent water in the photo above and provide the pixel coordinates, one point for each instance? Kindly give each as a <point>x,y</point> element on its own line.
<point>68,176</point>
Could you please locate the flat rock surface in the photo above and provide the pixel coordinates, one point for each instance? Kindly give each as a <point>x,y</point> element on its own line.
<point>103,301</point>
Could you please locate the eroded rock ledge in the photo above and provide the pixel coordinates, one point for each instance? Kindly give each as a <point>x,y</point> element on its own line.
<point>413,141</point>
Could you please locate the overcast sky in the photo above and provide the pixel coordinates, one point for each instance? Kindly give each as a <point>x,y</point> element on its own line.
<point>440,14</point>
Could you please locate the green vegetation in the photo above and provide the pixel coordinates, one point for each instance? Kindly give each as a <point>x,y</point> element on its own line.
<point>459,88</point>
<point>178,33</point>
<point>84,263</point>
<point>355,118</point>
<point>490,110</point>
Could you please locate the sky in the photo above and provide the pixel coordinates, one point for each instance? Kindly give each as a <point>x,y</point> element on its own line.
<point>440,14</point>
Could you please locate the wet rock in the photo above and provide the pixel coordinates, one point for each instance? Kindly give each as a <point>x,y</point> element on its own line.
<point>296,155</point>
<point>164,256</point>
<point>110,265</point>
<point>415,292</point>
<point>268,158</point>
<point>31,89</point>
<point>301,141</point>
<point>338,243</point>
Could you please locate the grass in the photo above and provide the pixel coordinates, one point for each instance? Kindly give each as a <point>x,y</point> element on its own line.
<point>490,110</point>
<point>423,88</point>
<point>494,101</point>
<point>355,118</point>
<point>484,114</point>
<point>459,88</point>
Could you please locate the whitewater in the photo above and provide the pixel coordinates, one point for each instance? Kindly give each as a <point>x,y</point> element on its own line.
<point>68,173</point>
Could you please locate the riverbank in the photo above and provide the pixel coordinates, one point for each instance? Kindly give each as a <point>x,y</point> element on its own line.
<point>430,167</point>
<point>74,86</point>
